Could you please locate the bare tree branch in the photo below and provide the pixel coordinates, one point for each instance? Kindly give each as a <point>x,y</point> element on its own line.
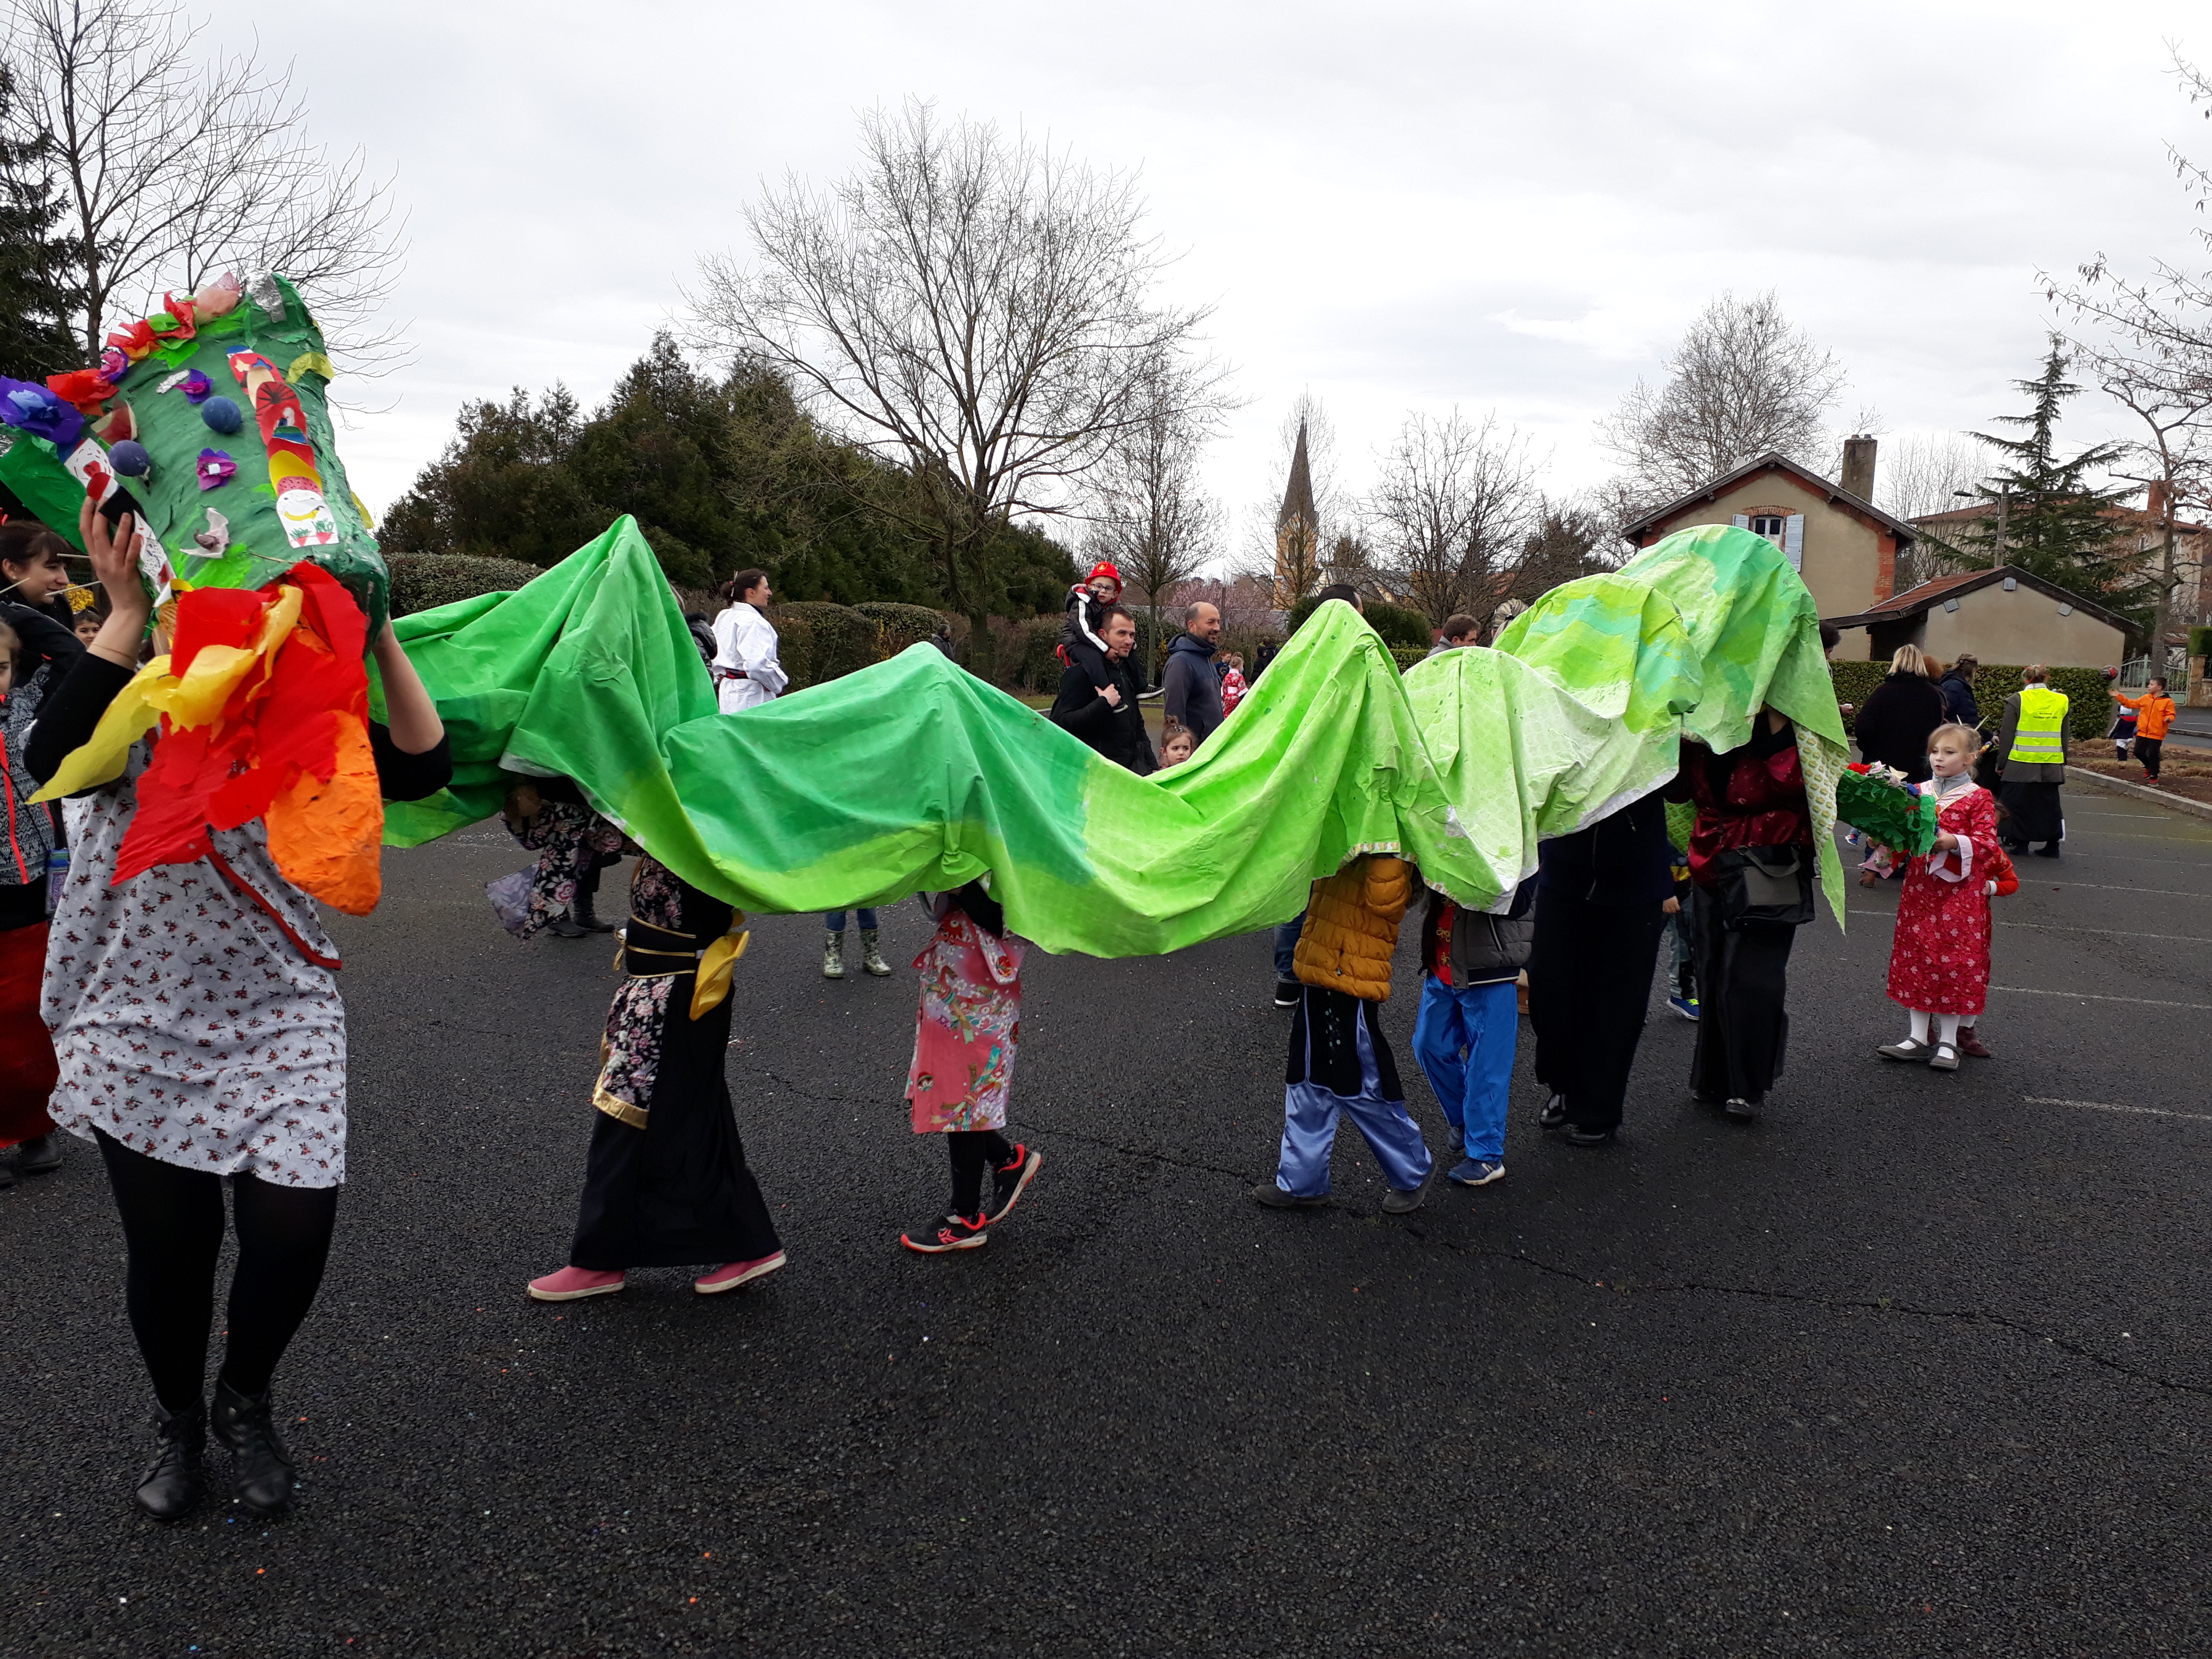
<point>979,307</point>
<point>1456,502</point>
<point>172,168</point>
<point>1154,520</point>
<point>1742,382</point>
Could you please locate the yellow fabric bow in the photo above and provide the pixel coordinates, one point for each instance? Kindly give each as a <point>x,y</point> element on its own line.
<point>716,963</point>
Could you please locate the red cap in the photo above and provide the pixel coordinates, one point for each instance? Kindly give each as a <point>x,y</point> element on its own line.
<point>1103,568</point>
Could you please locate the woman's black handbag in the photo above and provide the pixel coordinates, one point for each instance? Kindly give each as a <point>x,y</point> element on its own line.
<point>1765,885</point>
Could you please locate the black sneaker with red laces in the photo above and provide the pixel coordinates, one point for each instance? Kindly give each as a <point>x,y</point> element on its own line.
<point>1012,1179</point>
<point>941,1233</point>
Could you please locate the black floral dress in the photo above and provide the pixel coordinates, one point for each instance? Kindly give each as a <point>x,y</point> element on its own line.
<point>667,1183</point>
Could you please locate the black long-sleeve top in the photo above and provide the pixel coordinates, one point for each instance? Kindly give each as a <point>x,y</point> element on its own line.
<point>73,709</point>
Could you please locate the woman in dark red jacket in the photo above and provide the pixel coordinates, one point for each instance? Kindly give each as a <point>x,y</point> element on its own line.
<point>1753,796</point>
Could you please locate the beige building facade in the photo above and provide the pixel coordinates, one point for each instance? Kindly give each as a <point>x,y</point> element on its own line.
<point>2003,615</point>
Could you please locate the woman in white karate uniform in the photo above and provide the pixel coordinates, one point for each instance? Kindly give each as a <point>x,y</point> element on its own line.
<point>747,671</point>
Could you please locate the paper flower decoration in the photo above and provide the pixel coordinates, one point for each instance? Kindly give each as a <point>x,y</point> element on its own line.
<point>221,413</point>
<point>216,469</point>
<point>113,365</point>
<point>33,408</point>
<point>219,298</point>
<point>135,340</point>
<point>196,387</point>
<point>85,387</point>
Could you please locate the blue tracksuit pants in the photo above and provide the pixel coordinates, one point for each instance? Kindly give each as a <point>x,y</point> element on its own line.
<point>1464,1038</point>
<point>1339,1065</point>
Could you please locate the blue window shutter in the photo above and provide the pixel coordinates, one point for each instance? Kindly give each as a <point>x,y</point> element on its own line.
<point>1793,542</point>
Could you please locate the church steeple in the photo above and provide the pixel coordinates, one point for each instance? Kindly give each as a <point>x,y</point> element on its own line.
<point>1297,530</point>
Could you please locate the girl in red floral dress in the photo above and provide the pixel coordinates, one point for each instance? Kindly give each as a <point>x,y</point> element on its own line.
<point>1939,962</point>
<point>964,1038</point>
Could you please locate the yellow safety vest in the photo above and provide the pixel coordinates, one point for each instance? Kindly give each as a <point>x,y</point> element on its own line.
<point>2041,738</point>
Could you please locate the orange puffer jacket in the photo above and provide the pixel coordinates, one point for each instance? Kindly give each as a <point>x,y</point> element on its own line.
<point>1352,927</point>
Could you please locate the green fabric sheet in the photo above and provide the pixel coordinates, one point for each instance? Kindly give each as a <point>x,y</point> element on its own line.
<point>913,774</point>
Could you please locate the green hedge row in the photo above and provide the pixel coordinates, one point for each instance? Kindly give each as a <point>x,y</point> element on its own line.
<point>2089,713</point>
<point>424,581</point>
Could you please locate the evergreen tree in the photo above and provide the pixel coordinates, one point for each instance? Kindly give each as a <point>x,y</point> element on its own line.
<point>719,476</point>
<point>36,340</point>
<point>2048,519</point>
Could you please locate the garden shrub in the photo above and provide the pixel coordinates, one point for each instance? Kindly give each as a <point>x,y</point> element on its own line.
<point>818,642</point>
<point>2089,713</point>
<point>898,626</point>
<point>424,581</point>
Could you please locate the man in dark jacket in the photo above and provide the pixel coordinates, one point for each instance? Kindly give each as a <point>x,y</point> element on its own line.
<point>1958,688</point>
<point>1469,961</point>
<point>1107,716</point>
<point>1192,688</point>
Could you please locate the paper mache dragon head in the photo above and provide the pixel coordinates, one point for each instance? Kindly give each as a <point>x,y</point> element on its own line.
<point>210,421</point>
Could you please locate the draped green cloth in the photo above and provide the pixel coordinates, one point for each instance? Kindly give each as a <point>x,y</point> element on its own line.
<point>913,774</point>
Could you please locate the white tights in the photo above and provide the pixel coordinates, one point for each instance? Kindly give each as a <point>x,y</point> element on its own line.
<point>1946,1027</point>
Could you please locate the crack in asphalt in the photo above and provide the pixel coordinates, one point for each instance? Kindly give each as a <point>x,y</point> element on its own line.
<point>1422,1234</point>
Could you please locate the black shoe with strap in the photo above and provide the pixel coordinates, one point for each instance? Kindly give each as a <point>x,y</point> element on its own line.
<point>260,1468</point>
<point>172,1483</point>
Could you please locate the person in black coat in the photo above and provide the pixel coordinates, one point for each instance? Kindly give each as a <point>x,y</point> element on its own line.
<point>1107,716</point>
<point>1958,688</point>
<point>1893,724</point>
<point>1603,896</point>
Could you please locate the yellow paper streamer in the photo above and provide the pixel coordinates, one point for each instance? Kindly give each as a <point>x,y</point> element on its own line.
<point>194,700</point>
<point>716,963</point>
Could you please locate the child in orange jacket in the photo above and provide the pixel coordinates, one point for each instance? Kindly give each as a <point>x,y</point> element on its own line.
<point>1339,1060</point>
<point>2153,720</point>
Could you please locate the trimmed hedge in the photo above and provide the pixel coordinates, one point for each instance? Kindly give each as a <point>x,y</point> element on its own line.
<point>1406,655</point>
<point>898,626</point>
<point>2089,715</point>
<point>424,581</point>
<point>818,641</point>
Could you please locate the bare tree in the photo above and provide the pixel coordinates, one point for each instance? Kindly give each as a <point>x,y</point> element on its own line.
<point>980,307</point>
<point>1570,538</point>
<point>1456,499</point>
<point>1153,519</point>
<point>1925,472</point>
<point>172,168</point>
<point>2172,399</point>
<point>1742,382</point>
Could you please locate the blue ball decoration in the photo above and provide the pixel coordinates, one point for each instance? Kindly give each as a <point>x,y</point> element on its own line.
<point>221,413</point>
<point>130,459</point>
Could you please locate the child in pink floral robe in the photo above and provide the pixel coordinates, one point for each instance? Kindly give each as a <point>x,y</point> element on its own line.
<point>1939,960</point>
<point>964,1038</point>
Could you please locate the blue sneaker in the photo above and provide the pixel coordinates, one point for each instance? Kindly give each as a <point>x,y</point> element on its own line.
<point>1478,1172</point>
<point>1685,1006</point>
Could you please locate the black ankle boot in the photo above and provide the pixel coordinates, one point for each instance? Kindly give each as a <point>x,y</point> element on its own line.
<point>581,913</point>
<point>260,1468</point>
<point>171,1484</point>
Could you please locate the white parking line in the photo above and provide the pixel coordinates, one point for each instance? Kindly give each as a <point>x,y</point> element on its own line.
<point>2114,1106</point>
<point>2093,996</point>
<point>2106,887</point>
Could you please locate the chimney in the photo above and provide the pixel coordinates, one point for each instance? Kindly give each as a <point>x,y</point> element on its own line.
<point>1858,466</point>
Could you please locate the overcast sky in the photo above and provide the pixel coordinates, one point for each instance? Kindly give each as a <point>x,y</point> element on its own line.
<point>1498,206</point>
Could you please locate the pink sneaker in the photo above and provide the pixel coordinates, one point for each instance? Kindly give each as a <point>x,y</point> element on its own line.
<point>572,1282</point>
<point>731,1274</point>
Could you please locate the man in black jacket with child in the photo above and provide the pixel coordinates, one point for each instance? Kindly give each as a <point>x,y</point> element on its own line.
<point>1107,716</point>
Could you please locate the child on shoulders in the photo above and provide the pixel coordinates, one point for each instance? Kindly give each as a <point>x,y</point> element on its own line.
<point>1080,644</point>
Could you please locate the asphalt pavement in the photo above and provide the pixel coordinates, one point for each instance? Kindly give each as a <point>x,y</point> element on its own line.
<point>1917,1365</point>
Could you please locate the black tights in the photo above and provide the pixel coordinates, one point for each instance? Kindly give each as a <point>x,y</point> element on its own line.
<point>971,1149</point>
<point>172,1225</point>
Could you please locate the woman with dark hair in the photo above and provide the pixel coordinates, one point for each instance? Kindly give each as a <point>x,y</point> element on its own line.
<point>746,669</point>
<point>1892,726</point>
